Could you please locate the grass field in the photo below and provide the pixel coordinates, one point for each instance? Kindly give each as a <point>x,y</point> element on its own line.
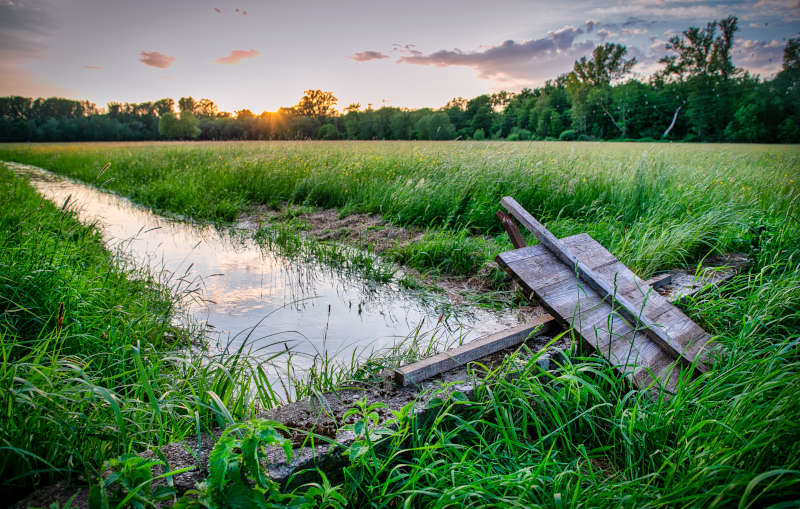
<point>654,206</point>
<point>583,438</point>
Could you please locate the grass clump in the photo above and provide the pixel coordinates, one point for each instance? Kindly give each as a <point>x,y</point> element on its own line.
<point>448,252</point>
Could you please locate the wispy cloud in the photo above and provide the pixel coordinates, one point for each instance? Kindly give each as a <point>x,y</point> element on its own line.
<point>366,56</point>
<point>760,57</point>
<point>789,10</point>
<point>156,59</point>
<point>667,9</point>
<point>24,26</point>
<point>605,33</point>
<point>92,67</point>
<point>634,31</point>
<point>237,56</point>
<point>522,61</point>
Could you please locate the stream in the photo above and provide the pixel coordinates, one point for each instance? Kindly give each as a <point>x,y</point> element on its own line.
<point>239,292</point>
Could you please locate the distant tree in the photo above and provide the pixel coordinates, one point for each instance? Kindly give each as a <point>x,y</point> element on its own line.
<point>369,126</point>
<point>499,100</point>
<point>205,108</point>
<point>328,132</point>
<point>168,126</point>
<point>399,125</point>
<point>458,103</point>
<point>317,104</point>
<point>244,114</point>
<point>15,107</point>
<point>186,104</point>
<point>352,107</point>
<point>482,119</point>
<point>608,64</point>
<point>163,106</point>
<point>700,52</point>
<point>589,86</point>
<point>188,125</point>
<point>175,128</point>
<point>791,55</point>
<point>434,126</point>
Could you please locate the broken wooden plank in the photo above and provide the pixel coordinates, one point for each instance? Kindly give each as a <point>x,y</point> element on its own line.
<point>606,289</point>
<point>656,282</point>
<point>576,305</point>
<point>511,229</point>
<point>453,358</point>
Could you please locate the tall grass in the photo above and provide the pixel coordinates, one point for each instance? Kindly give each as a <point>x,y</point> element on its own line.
<point>90,365</point>
<point>651,205</point>
<point>581,436</point>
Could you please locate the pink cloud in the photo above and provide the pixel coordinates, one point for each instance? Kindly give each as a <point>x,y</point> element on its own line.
<point>237,56</point>
<point>366,56</point>
<point>156,59</point>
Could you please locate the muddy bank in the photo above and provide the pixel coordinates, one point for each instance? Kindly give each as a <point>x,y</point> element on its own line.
<point>371,232</point>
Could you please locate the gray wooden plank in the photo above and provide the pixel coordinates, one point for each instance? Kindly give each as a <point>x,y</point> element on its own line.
<point>658,310</point>
<point>445,361</point>
<point>595,323</point>
<point>601,285</point>
<point>575,304</point>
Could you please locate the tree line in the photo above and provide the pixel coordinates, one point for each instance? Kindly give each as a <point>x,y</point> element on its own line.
<point>698,95</point>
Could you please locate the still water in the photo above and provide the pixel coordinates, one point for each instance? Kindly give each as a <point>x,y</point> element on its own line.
<point>239,291</point>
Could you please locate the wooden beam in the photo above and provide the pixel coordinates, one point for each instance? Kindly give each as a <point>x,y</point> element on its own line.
<point>474,350</point>
<point>591,279</point>
<point>511,229</point>
<point>657,282</point>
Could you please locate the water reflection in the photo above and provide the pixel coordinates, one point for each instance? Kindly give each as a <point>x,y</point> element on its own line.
<point>240,290</point>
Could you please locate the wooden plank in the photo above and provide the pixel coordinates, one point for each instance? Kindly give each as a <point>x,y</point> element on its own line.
<point>659,281</point>
<point>511,229</point>
<point>656,308</point>
<point>471,351</point>
<point>600,285</point>
<point>577,305</point>
<point>593,322</point>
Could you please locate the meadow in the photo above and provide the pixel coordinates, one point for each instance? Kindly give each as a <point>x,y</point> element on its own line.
<point>580,437</point>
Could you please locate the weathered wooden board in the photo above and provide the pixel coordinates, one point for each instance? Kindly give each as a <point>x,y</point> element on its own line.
<point>630,348</point>
<point>455,357</point>
<point>627,303</point>
<point>423,369</point>
<point>511,229</point>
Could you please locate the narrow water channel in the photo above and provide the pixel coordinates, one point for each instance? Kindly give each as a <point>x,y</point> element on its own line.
<point>239,291</point>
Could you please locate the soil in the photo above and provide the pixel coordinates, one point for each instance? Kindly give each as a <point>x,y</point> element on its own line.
<point>372,232</point>
<point>715,270</point>
<point>59,493</point>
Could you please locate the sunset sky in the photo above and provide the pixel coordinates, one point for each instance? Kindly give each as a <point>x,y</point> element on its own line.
<point>261,55</point>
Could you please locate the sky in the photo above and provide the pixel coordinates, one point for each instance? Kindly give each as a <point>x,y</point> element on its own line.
<point>262,55</point>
